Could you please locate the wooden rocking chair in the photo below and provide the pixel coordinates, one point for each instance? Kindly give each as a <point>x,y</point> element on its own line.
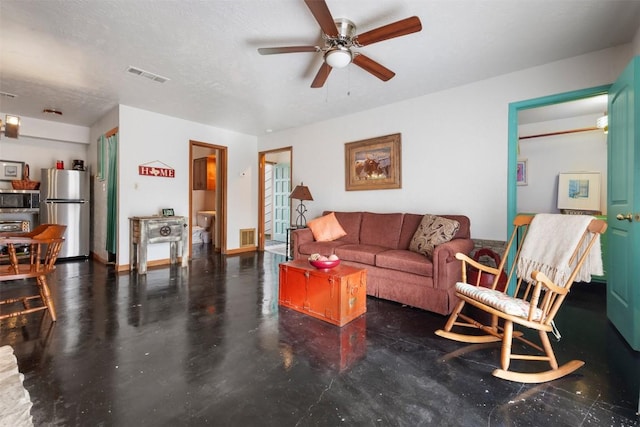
<point>43,244</point>
<point>536,299</point>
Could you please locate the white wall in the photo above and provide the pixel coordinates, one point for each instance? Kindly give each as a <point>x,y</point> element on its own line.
<point>454,144</point>
<point>148,137</point>
<point>41,143</point>
<point>551,155</point>
<point>40,153</point>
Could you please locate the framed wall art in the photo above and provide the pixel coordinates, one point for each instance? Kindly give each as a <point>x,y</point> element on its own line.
<point>373,164</point>
<point>579,191</point>
<point>11,170</point>
<point>521,172</point>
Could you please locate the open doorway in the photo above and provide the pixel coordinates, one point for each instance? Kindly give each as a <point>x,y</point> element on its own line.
<point>274,206</point>
<point>207,197</point>
<point>559,139</point>
<point>515,110</point>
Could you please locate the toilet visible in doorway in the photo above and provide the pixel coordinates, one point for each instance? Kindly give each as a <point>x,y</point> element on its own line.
<point>203,231</point>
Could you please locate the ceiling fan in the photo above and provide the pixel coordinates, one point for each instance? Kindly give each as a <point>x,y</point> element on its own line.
<point>340,38</point>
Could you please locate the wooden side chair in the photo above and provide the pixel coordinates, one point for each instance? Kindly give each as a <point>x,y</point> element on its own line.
<point>44,244</point>
<point>551,252</point>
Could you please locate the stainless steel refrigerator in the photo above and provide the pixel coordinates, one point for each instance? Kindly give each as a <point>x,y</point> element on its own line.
<point>64,199</point>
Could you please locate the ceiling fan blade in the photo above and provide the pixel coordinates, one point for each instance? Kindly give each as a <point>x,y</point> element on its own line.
<point>371,66</point>
<point>287,49</point>
<point>389,31</point>
<point>321,77</point>
<point>321,12</point>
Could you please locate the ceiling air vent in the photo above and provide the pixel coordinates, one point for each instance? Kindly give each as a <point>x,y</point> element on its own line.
<point>8,95</point>
<point>151,76</point>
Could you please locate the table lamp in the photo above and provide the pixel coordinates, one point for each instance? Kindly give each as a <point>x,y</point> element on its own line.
<point>301,192</point>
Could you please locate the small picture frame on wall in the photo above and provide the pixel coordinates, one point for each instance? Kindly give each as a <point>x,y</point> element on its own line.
<point>521,172</point>
<point>167,212</point>
<point>11,170</point>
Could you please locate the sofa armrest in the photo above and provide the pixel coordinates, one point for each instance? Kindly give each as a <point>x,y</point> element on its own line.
<point>447,270</point>
<point>299,237</point>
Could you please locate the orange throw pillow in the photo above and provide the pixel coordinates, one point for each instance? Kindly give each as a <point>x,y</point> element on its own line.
<point>326,228</point>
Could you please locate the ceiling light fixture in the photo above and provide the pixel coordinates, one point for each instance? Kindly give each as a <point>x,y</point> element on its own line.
<point>52,111</point>
<point>603,123</point>
<point>12,126</point>
<point>338,57</point>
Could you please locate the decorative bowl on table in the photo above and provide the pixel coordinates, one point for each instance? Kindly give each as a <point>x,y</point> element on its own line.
<point>323,265</point>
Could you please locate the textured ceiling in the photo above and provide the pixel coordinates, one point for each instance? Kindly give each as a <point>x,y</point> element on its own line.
<point>73,55</point>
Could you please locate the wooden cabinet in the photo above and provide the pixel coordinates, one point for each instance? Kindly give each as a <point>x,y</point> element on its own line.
<point>204,173</point>
<point>336,296</point>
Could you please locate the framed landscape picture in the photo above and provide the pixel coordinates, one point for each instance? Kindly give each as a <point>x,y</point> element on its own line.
<point>373,164</point>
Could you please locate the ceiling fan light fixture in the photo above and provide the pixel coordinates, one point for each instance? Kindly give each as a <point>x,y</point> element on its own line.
<point>338,57</point>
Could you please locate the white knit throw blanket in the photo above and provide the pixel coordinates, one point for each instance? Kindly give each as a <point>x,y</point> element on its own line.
<point>549,244</point>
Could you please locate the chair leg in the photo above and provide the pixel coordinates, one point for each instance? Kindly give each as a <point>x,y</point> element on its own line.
<point>46,296</point>
<point>454,316</point>
<point>507,338</point>
<point>491,335</point>
<point>546,344</point>
<point>533,377</point>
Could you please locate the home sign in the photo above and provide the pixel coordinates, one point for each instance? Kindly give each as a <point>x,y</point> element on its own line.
<point>159,171</point>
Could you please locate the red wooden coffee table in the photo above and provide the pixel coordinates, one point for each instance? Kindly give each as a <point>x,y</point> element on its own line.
<point>337,295</point>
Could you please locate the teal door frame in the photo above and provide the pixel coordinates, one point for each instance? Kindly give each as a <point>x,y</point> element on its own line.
<point>514,109</point>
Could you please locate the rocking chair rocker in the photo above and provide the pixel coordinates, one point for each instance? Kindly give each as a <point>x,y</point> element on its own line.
<point>559,246</point>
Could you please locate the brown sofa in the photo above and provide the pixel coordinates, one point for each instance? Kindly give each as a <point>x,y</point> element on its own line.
<point>379,242</point>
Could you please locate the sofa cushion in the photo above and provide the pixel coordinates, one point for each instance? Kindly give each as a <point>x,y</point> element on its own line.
<point>410,224</point>
<point>381,229</point>
<point>322,248</point>
<point>326,228</point>
<point>350,222</point>
<point>464,231</point>
<point>432,231</point>
<point>364,254</point>
<point>404,260</point>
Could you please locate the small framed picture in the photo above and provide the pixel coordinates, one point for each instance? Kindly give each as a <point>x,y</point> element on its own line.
<point>521,172</point>
<point>11,170</point>
<point>167,212</point>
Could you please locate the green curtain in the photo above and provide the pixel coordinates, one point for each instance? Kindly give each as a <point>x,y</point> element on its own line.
<point>112,195</point>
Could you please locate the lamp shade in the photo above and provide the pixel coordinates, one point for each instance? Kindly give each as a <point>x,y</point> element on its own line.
<point>338,57</point>
<point>301,192</point>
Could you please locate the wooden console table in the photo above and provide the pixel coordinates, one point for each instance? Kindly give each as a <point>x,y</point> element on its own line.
<point>144,230</point>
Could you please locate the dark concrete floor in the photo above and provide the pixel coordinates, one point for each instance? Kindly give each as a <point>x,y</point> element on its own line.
<point>209,345</point>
